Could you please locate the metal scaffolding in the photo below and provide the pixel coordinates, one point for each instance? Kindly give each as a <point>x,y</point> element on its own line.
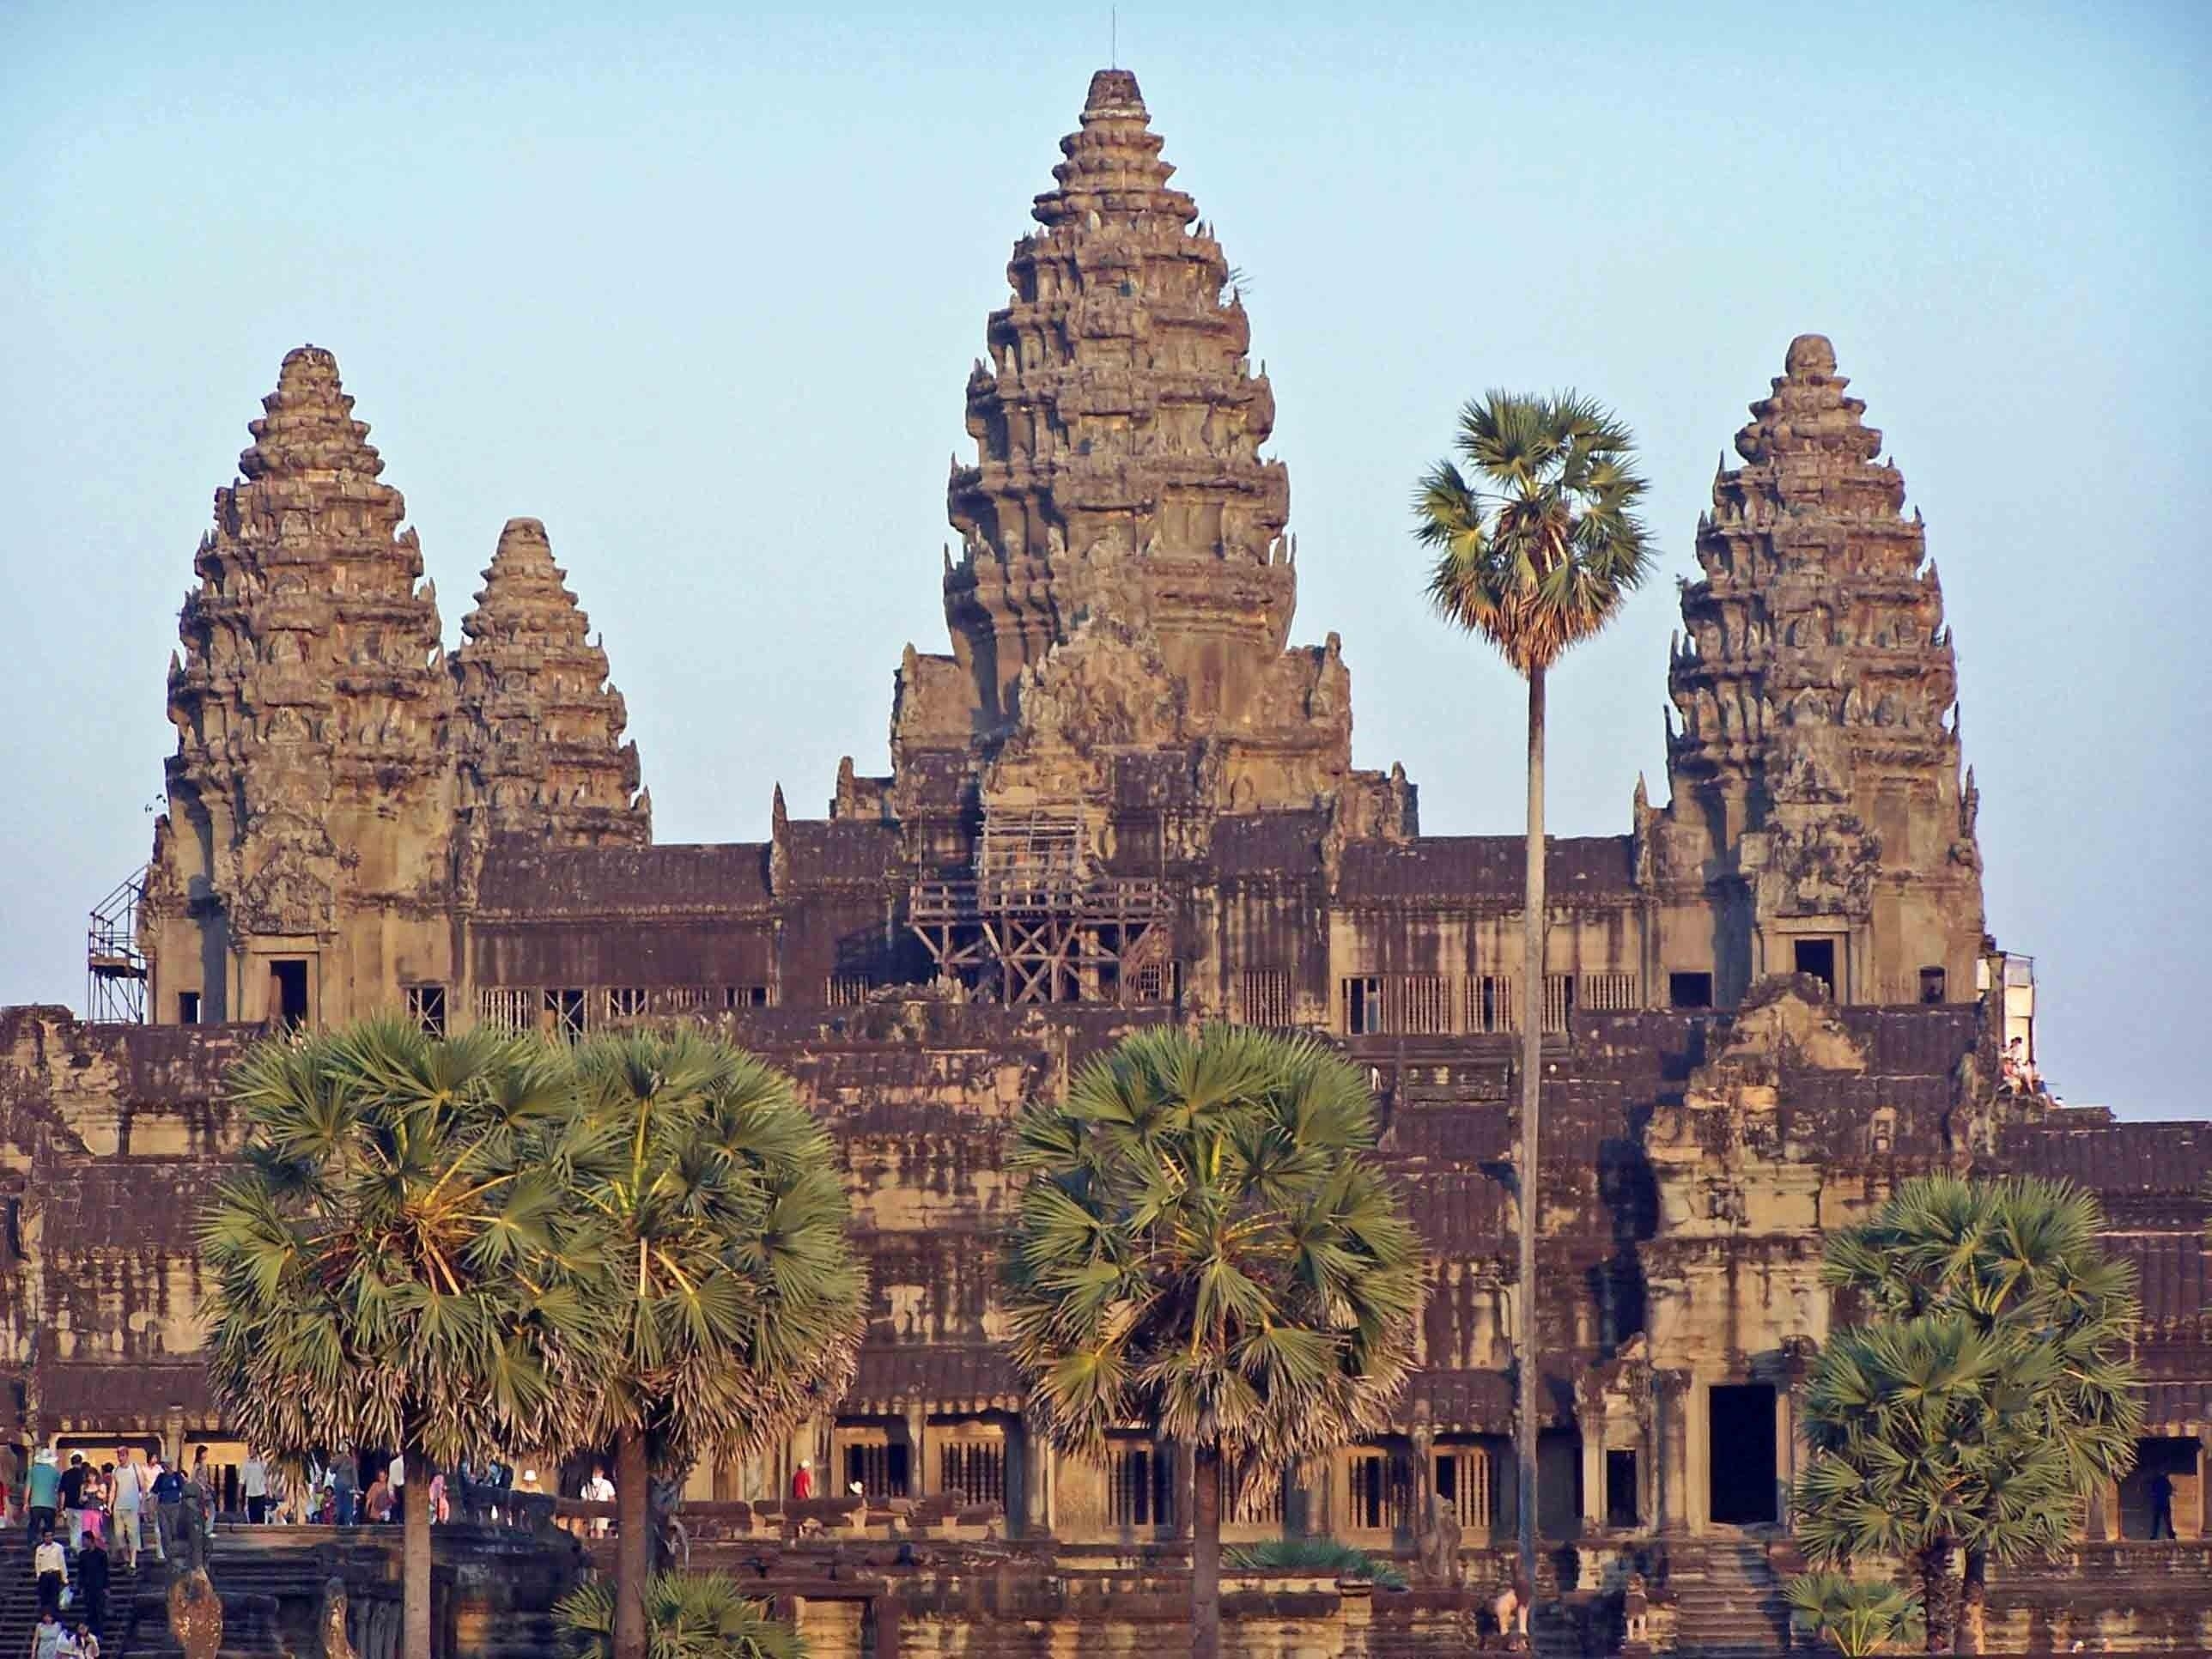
<point>114,966</point>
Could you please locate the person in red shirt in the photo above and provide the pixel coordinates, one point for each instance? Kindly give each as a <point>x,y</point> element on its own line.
<point>802,1480</point>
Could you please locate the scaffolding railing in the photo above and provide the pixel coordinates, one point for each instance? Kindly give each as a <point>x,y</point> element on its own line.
<point>114,966</point>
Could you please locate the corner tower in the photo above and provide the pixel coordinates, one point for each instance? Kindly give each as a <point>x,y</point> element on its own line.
<point>300,871</point>
<point>1818,808</point>
<point>538,733</point>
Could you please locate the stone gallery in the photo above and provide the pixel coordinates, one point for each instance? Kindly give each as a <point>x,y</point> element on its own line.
<point>1124,795</point>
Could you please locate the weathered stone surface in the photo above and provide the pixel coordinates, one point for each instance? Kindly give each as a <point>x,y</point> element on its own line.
<point>538,731</point>
<point>1122,798</point>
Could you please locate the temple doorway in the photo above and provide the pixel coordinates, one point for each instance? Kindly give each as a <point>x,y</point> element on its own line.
<point>1622,1502</point>
<point>1741,1454</point>
<point>2168,1466</point>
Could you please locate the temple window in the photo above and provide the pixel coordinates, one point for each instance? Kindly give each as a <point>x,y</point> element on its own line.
<point>1816,956</point>
<point>287,990</point>
<point>623,1002</point>
<point>1262,1504</point>
<point>876,1463</point>
<point>974,1471</point>
<point>1379,1485</point>
<point>1427,1001</point>
<point>1559,1000</point>
<point>1139,1485</point>
<point>1931,984</point>
<point>1363,1005</point>
<point>1690,990</point>
<point>1463,1487</point>
<point>847,991</point>
<point>507,1008</point>
<point>564,1011</point>
<point>425,1008</point>
<point>744,996</point>
<point>1489,1003</point>
<point>1264,997</point>
<point>188,1007</point>
<point>1610,991</point>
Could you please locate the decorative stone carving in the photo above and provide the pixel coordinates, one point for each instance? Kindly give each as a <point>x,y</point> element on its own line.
<point>195,1613</point>
<point>331,1622</point>
<point>538,733</point>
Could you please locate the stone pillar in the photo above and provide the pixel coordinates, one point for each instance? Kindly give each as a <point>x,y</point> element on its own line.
<point>172,1437</point>
<point>921,1478</point>
<point>1037,1483</point>
<point>1589,1424</point>
<point>1670,1392</point>
<point>1424,1467</point>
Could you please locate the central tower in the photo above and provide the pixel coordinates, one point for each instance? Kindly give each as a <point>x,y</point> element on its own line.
<point>1119,427</point>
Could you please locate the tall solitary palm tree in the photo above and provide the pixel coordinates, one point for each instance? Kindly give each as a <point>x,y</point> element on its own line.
<point>372,1285</point>
<point>733,1298</point>
<point>1537,546</point>
<point>1203,1247</point>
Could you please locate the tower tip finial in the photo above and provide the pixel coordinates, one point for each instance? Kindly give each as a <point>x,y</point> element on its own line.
<point>1114,92</point>
<point>1810,354</point>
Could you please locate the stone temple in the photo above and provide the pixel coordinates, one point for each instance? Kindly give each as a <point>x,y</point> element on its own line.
<point>1125,794</point>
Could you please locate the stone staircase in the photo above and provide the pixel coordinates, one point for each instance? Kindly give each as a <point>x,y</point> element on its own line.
<point>19,1594</point>
<point>1728,1602</point>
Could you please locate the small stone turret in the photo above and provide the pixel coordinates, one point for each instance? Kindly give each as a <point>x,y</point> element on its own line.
<point>539,741</point>
<point>1816,764</point>
<point>310,705</point>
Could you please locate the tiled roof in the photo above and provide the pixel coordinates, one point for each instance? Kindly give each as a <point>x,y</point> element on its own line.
<point>522,878</point>
<point>966,1378</point>
<point>1487,866</point>
<point>839,850</point>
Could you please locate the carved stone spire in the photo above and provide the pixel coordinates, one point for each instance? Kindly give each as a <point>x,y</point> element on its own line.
<point>1816,677</point>
<point>1118,426</point>
<point>311,702</point>
<point>540,734</point>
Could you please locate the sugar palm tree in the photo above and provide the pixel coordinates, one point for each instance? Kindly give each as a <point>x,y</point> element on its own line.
<point>689,1615</point>
<point>733,1298</point>
<point>1203,1246</point>
<point>2021,1261</point>
<point>1856,1617</point>
<point>1537,546</point>
<point>372,1284</point>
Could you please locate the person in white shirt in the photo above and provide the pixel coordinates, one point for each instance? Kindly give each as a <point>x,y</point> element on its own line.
<point>253,1487</point>
<point>50,1563</point>
<point>130,1505</point>
<point>599,1490</point>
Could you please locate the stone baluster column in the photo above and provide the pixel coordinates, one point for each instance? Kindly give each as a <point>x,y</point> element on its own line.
<point>921,1476</point>
<point>1670,1391</point>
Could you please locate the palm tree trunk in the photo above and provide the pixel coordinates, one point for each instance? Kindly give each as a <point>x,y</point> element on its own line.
<point>415,1557</point>
<point>633,1543</point>
<point>1532,1071</point>
<point>1974,1602</point>
<point>1938,1594</point>
<point>1205,1551</point>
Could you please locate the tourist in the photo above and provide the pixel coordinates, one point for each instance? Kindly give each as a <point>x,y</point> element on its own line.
<point>203,1475</point>
<point>73,1498</point>
<point>379,1501</point>
<point>87,1639</point>
<point>168,1493</point>
<point>47,1639</point>
<point>599,1490</point>
<point>129,1502</point>
<point>50,1567</point>
<point>440,1511</point>
<point>253,1487</point>
<point>91,1580</point>
<point>802,1482</point>
<point>2161,1503</point>
<point>345,1488</point>
<point>42,1494</point>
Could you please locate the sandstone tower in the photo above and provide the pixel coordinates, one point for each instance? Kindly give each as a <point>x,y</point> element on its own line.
<point>538,740</point>
<point>1817,799</point>
<point>302,861</point>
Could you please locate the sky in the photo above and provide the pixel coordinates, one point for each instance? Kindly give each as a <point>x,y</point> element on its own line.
<point>701,290</point>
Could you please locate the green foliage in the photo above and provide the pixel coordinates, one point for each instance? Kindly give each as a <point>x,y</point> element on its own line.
<point>715,1222</point>
<point>1990,1390</point>
<point>1857,1619</point>
<point>373,1260</point>
<point>1315,1555</point>
<point>1537,539</point>
<point>688,1616</point>
<point>1203,1244</point>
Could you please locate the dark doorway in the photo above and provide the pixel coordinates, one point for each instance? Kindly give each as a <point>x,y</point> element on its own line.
<point>188,1007</point>
<point>1559,1484</point>
<point>1620,1508</point>
<point>1690,990</point>
<point>288,978</point>
<point>1931,984</point>
<point>1741,1450</point>
<point>2164,1467</point>
<point>1817,956</point>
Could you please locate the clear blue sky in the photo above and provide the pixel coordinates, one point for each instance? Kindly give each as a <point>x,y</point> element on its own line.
<point>702,292</point>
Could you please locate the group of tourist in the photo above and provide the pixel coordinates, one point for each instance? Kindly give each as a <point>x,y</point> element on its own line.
<point>2016,1070</point>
